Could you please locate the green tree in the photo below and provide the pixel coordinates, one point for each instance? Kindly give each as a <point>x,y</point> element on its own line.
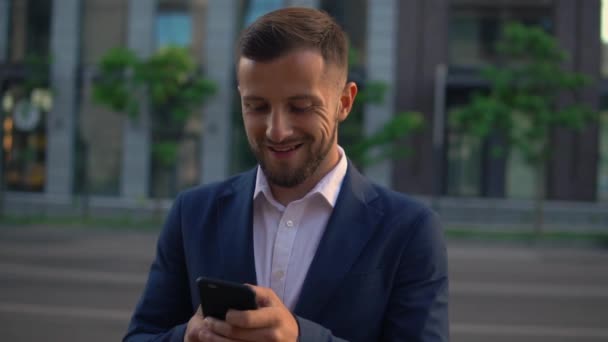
<point>522,104</point>
<point>385,141</point>
<point>169,80</point>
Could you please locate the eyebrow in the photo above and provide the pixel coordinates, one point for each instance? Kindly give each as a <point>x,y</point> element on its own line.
<point>291,98</point>
<point>253,98</point>
<point>305,97</point>
<point>310,97</point>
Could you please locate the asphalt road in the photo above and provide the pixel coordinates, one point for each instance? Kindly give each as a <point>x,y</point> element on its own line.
<point>74,285</point>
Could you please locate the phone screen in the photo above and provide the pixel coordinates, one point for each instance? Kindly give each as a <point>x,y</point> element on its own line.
<point>217,296</point>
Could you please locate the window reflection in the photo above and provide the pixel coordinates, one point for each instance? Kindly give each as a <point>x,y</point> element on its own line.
<point>25,97</point>
<point>474,31</point>
<point>177,23</point>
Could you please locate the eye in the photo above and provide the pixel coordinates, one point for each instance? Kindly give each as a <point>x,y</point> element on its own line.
<point>256,107</point>
<point>299,109</point>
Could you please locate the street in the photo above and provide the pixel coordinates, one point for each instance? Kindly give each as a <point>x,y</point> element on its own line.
<point>79,285</point>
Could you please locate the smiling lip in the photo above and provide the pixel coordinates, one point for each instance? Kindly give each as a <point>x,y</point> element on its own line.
<point>283,152</point>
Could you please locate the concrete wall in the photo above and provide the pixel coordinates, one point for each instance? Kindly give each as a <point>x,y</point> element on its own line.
<point>65,49</point>
<point>382,19</point>
<point>219,57</point>
<point>136,148</point>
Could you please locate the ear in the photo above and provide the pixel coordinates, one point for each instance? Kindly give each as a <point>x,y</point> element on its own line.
<point>347,99</point>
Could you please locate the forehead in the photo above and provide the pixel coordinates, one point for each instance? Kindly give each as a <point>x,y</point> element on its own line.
<point>297,71</point>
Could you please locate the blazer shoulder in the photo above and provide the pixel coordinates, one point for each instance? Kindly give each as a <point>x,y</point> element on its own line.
<point>204,193</point>
<point>403,206</point>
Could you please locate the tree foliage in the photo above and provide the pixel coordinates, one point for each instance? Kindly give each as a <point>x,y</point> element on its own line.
<point>169,80</point>
<point>524,102</point>
<point>525,89</point>
<point>384,141</point>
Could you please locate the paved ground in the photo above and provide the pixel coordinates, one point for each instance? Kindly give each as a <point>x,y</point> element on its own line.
<point>70,285</point>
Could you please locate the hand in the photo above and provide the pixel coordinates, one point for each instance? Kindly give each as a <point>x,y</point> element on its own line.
<point>196,328</point>
<point>272,321</point>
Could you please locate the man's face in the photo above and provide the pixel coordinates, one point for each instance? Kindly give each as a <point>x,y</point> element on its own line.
<point>291,109</point>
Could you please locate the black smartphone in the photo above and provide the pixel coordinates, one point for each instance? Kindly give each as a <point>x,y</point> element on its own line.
<point>217,296</point>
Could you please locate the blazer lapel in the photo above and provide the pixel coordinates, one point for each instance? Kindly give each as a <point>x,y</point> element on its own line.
<point>349,228</point>
<point>235,230</point>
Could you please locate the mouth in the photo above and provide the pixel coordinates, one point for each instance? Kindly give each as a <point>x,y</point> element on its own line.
<point>285,151</point>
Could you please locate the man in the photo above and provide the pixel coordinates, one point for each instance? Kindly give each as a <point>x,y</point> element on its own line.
<point>334,257</point>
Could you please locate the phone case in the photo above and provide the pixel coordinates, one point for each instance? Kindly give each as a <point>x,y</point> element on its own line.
<point>217,296</point>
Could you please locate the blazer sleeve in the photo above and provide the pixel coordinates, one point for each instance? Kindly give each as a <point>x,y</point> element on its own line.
<point>418,304</point>
<point>314,332</point>
<point>165,306</point>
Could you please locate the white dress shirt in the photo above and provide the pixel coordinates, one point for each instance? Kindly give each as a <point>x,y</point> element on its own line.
<point>286,237</point>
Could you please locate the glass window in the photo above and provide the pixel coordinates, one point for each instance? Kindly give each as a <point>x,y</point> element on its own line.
<point>352,17</point>
<point>463,163</point>
<point>463,154</point>
<point>474,30</point>
<point>30,29</point>
<point>175,27</point>
<point>26,98</point>
<point>257,8</point>
<point>520,177</point>
<point>242,158</point>
<point>24,139</point>
<point>602,193</point>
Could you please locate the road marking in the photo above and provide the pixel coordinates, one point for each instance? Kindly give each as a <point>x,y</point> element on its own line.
<point>65,311</point>
<point>528,331</point>
<point>70,274</point>
<point>531,290</point>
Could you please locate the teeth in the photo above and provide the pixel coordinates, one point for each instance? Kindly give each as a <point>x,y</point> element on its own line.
<point>284,149</point>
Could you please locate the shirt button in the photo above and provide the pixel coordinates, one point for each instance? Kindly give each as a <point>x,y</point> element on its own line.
<point>289,223</point>
<point>278,275</point>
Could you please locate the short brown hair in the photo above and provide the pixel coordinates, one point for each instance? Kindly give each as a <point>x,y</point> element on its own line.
<point>282,31</point>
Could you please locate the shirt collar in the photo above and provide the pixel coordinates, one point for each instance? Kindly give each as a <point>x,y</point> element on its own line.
<point>328,187</point>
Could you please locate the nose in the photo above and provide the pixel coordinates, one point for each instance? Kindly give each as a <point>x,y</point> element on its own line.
<point>278,127</point>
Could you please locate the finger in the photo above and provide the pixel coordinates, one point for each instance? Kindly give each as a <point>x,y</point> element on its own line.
<point>223,329</point>
<point>263,296</point>
<point>195,326</point>
<point>242,334</point>
<point>208,335</point>
<point>253,319</point>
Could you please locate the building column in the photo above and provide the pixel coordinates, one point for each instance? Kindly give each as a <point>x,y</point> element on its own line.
<point>572,171</point>
<point>381,66</point>
<point>135,176</point>
<point>422,48</point>
<point>219,67</point>
<point>65,46</point>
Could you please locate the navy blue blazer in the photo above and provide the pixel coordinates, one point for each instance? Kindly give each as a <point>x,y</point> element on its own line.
<point>379,273</point>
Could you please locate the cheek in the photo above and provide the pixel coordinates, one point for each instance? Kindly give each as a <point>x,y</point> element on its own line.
<point>253,127</point>
<point>325,125</point>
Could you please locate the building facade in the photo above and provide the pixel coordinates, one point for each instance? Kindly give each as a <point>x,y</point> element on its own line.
<point>427,52</point>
